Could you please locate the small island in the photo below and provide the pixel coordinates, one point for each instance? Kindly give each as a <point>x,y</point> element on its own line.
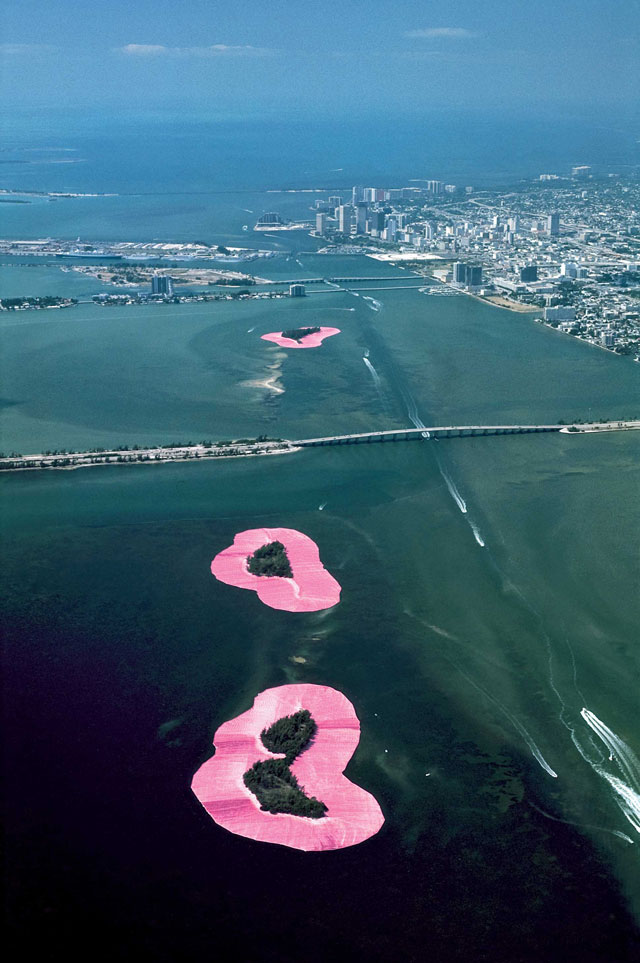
<point>306,587</point>
<point>311,337</point>
<point>248,791</point>
<point>297,334</point>
<point>270,561</point>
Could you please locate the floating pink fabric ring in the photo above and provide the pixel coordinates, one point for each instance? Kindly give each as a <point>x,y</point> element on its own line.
<point>308,341</point>
<point>310,589</point>
<point>352,814</point>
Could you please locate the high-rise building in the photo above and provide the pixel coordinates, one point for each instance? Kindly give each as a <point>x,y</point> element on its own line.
<point>514,224</point>
<point>460,272</point>
<point>321,224</point>
<point>428,231</point>
<point>469,274</point>
<point>297,290</point>
<point>361,218</point>
<point>553,224</point>
<point>357,195</point>
<point>569,270</point>
<point>376,221</point>
<point>334,201</point>
<point>528,273</point>
<point>390,229</point>
<point>345,212</point>
<point>583,170</point>
<point>435,187</point>
<point>162,284</point>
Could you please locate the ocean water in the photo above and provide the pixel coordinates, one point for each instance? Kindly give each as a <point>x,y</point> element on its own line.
<point>489,596</point>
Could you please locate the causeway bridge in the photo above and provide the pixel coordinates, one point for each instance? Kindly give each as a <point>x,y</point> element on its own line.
<point>247,447</point>
<point>457,431</point>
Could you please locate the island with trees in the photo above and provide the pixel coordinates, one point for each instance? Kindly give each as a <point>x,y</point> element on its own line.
<point>311,337</point>
<point>270,561</point>
<point>272,782</point>
<point>297,334</point>
<point>247,790</point>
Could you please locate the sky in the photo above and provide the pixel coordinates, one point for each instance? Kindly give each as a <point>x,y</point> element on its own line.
<point>322,56</point>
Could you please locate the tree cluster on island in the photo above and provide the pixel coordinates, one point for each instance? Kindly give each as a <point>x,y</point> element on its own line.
<point>272,782</point>
<point>270,560</point>
<point>297,334</point>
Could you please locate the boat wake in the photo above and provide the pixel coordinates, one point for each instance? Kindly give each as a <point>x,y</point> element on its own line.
<point>627,789</point>
<point>476,534</point>
<point>322,507</point>
<point>372,303</point>
<point>453,491</point>
<point>374,373</point>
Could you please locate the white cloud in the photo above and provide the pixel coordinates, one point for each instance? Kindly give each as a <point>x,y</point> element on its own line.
<point>435,33</point>
<point>214,50</point>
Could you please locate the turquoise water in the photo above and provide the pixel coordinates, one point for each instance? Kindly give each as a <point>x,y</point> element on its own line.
<point>468,641</point>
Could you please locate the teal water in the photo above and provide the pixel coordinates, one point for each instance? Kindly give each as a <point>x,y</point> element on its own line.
<point>468,641</point>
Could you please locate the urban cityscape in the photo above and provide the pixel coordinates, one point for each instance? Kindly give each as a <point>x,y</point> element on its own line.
<point>566,245</point>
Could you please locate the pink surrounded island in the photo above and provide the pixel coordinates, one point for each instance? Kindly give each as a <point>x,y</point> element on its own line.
<point>353,814</point>
<point>312,588</point>
<point>309,341</point>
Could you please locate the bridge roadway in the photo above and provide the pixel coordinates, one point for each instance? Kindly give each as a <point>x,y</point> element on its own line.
<point>457,431</point>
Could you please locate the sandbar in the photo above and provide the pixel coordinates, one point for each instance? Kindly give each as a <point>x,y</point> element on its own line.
<point>353,814</point>
<point>312,588</point>
<point>309,341</point>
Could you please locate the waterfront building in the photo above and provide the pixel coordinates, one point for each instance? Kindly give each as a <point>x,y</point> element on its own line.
<point>297,290</point>
<point>460,272</point>
<point>560,313</point>
<point>162,284</point>
<point>270,219</point>
<point>321,224</point>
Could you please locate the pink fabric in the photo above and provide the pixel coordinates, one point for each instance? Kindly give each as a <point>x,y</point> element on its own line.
<point>312,588</point>
<point>353,814</point>
<point>309,340</point>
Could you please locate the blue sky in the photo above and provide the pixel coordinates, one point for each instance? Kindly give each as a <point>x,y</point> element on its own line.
<point>323,55</point>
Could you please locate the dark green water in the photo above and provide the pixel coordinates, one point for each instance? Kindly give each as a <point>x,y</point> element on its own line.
<point>469,662</point>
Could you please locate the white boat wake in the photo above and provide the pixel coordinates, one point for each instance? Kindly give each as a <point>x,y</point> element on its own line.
<point>476,534</point>
<point>372,303</point>
<point>453,491</point>
<point>374,373</point>
<point>627,789</point>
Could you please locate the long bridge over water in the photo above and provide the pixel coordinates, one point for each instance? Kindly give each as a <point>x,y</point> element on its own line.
<point>247,447</point>
<point>458,431</point>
